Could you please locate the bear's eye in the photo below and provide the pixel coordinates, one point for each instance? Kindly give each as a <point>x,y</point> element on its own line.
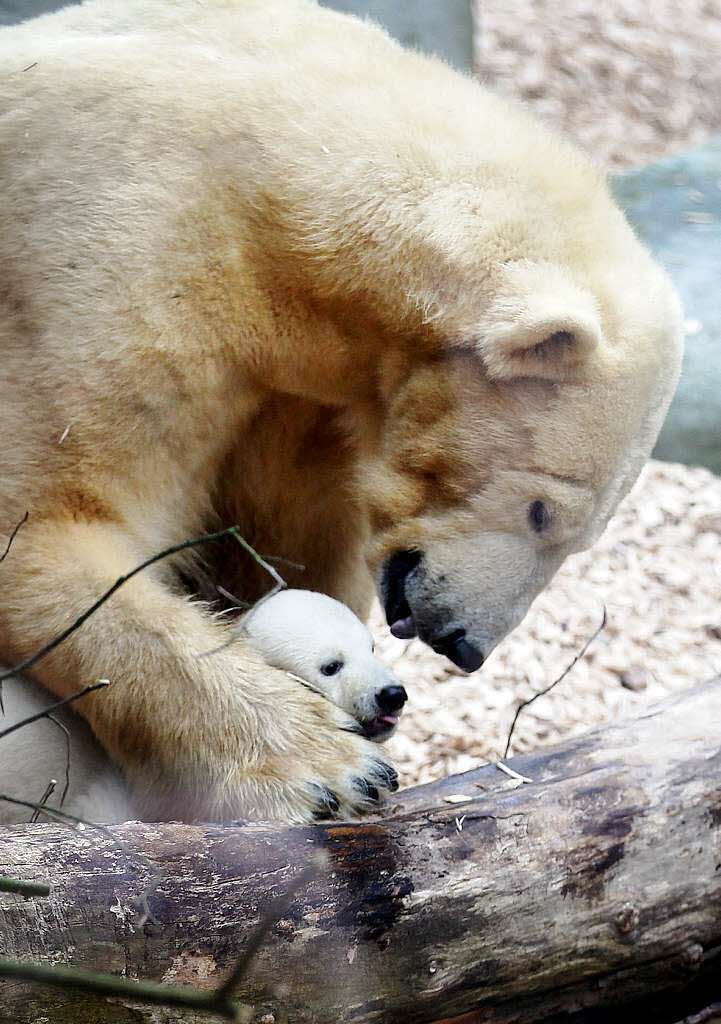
<point>331,667</point>
<point>539,516</point>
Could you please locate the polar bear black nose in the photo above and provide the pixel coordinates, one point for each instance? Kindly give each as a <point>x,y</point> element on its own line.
<point>455,647</point>
<point>391,698</point>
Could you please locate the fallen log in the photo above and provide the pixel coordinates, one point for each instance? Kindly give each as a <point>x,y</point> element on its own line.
<point>477,898</point>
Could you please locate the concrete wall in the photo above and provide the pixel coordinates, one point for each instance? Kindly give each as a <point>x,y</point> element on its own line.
<point>20,10</point>
<point>675,205</point>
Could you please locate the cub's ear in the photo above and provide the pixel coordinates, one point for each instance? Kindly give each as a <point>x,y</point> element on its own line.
<point>544,325</point>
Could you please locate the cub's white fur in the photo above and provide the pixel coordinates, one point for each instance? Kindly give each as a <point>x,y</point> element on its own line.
<point>302,632</point>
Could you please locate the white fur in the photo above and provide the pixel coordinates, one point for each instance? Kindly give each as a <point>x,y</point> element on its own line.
<point>299,631</point>
<point>295,630</point>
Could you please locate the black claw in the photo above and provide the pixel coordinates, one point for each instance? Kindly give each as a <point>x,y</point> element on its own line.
<point>357,729</point>
<point>366,789</point>
<point>385,774</point>
<point>328,802</point>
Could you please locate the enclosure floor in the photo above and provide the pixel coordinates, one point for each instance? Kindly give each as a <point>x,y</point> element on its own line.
<point>629,80</point>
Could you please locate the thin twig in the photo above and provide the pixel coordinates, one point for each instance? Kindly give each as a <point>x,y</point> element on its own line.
<point>555,682</point>
<point>284,561</point>
<point>100,685</point>
<point>279,581</point>
<point>12,536</point>
<point>231,531</point>
<point>112,985</point>
<point>23,888</point>
<point>66,733</point>
<point>280,584</point>
<point>235,601</point>
<point>63,817</point>
<point>49,790</point>
<point>219,649</point>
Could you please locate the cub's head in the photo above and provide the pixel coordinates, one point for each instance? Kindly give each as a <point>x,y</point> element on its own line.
<point>514,427</point>
<point>321,641</point>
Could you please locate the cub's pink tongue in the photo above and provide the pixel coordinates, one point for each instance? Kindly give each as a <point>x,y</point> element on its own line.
<point>404,629</point>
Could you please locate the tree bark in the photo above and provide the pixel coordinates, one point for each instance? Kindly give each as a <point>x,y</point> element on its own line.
<point>598,885</point>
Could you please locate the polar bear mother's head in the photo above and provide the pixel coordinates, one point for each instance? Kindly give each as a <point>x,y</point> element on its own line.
<point>519,413</point>
<point>513,344</point>
<point>512,446</point>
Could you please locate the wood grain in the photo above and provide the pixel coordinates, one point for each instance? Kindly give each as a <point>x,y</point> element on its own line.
<point>598,885</point>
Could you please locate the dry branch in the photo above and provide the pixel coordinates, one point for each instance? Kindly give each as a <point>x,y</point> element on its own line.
<point>46,712</point>
<point>547,689</point>
<point>174,549</point>
<point>597,886</point>
<point>13,535</point>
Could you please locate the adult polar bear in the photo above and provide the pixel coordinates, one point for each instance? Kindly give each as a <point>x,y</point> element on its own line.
<point>258,265</point>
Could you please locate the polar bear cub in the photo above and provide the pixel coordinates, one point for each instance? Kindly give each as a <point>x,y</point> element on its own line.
<point>320,640</point>
<point>312,636</point>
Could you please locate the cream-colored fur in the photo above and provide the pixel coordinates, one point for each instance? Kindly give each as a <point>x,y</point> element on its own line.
<point>265,267</point>
<point>295,630</point>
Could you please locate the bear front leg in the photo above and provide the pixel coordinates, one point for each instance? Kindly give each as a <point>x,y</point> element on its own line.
<point>198,738</point>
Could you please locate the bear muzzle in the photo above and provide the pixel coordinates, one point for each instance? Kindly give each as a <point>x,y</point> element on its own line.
<point>454,644</point>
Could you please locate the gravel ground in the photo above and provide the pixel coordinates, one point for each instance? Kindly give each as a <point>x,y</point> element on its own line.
<point>630,82</point>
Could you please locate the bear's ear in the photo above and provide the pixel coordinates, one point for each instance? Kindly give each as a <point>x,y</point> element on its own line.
<point>545,328</point>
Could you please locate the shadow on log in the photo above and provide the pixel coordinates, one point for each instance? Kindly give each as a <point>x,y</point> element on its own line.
<point>596,886</point>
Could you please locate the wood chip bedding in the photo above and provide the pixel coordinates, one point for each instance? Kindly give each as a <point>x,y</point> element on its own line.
<point>630,81</point>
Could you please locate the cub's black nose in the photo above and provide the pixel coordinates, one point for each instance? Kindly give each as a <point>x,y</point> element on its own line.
<point>455,647</point>
<point>390,699</point>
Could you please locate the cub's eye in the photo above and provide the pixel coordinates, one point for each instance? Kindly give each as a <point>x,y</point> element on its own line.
<point>539,516</point>
<point>331,667</point>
